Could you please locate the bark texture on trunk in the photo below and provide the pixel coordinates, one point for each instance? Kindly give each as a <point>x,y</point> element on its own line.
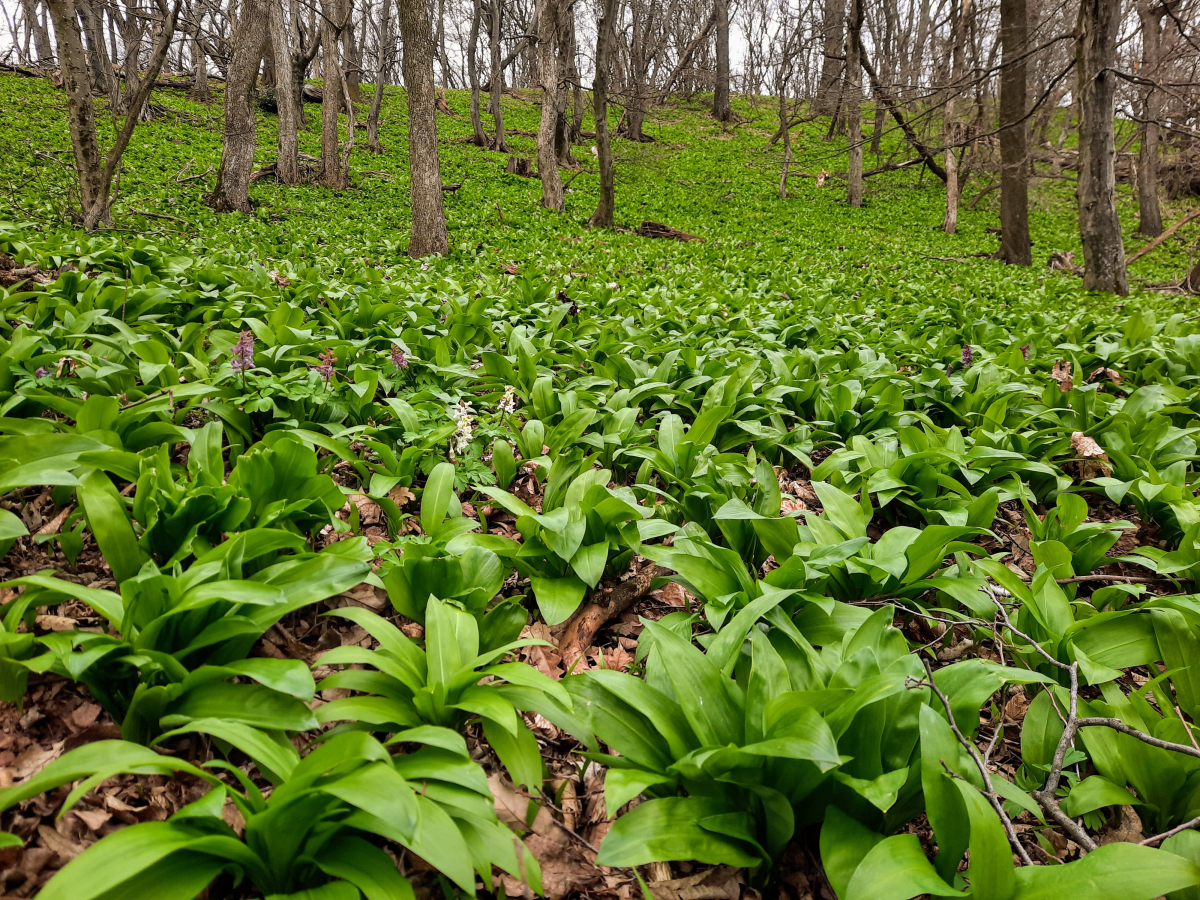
<point>425,183</point>
<point>232,192</point>
<point>473,73</point>
<point>351,54</point>
<point>1015,246</point>
<point>81,115</point>
<point>547,155</point>
<point>385,48</point>
<point>497,77</point>
<point>722,111</point>
<point>958,18</point>
<point>287,164</point>
<point>853,95</point>
<point>332,102</point>
<point>833,23</point>
<point>1096,190</point>
<point>200,91</point>
<point>605,40</point>
<point>1149,213</point>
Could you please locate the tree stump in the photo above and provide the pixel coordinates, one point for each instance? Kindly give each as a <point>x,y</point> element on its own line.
<point>519,165</point>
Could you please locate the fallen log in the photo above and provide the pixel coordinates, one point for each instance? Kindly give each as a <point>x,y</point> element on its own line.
<point>602,607</point>
<point>658,230</point>
<point>1165,236</point>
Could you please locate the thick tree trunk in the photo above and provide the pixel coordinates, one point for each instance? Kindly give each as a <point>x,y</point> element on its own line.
<point>1015,246</point>
<point>1149,214</point>
<point>606,40</point>
<point>497,76</point>
<point>547,156</point>
<point>833,22</point>
<point>473,73</point>
<point>81,115</point>
<point>425,183</point>
<point>958,17</point>
<point>287,164</point>
<point>722,111</point>
<point>385,48</point>
<point>232,192</point>
<point>1099,226</point>
<point>332,103</point>
<point>853,96</point>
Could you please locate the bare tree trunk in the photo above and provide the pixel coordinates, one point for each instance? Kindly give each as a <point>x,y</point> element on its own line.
<point>333,21</point>
<point>385,48</point>
<point>1015,246</point>
<point>854,103</point>
<point>606,40</point>
<point>958,18</point>
<point>575,135</point>
<point>473,73</point>
<point>722,111</point>
<point>497,76</point>
<point>1099,226</point>
<point>787,142</point>
<point>564,58</point>
<point>1150,216</point>
<point>833,63</point>
<point>287,164</point>
<point>41,34</point>
<point>547,157</point>
<point>99,65</point>
<point>200,91</point>
<point>425,178</point>
<point>351,53</point>
<point>232,191</point>
<point>81,115</point>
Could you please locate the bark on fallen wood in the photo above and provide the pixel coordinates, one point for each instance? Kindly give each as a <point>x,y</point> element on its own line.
<point>658,230</point>
<point>602,607</point>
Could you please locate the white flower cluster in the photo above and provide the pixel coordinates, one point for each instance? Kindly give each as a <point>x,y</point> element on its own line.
<point>465,431</point>
<point>508,403</point>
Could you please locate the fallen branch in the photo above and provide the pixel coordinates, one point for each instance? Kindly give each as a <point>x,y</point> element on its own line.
<point>602,607</point>
<point>1166,235</point>
<point>658,230</point>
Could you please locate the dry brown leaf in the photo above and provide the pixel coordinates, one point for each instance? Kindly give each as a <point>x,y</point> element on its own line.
<point>1111,374</point>
<point>369,512</point>
<point>1014,709</point>
<point>400,495</point>
<point>33,758</point>
<point>65,848</point>
<point>55,623</point>
<point>84,715</point>
<point>95,819</point>
<point>1093,461</point>
<point>672,593</point>
<point>1062,374</point>
<point>1125,827</point>
<point>719,883</point>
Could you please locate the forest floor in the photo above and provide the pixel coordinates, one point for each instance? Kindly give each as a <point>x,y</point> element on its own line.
<point>716,181</point>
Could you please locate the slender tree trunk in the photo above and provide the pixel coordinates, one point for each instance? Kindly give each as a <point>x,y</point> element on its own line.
<point>232,192</point>
<point>722,111</point>
<point>332,103</point>
<point>425,182</point>
<point>99,65</point>
<point>287,164</point>
<point>833,22</point>
<point>854,102</point>
<point>473,73</point>
<point>200,91</point>
<point>41,34</point>
<point>1150,216</point>
<point>547,157</point>
<point>1099,226</point>
<point>606,40</point>
<point>81,115</point>
<point>497,76</point>
<point>1015,246</point>
<point>958,18</point>
<point>385,48</point>
<point>787,142</point>
<point>564,54</point>
<point>575,134</point>
<point>351,52</point>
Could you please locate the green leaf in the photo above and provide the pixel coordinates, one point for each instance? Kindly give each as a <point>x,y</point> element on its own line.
<point>557,598</point>
<point>1117,871</point>
<point>435,500</point>
<point>992,872</point>
<point>110,525</point>
<point>669,829</point>
<point>896,869</point>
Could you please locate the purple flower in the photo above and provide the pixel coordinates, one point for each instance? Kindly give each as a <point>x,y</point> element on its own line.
<point>967,356</point>
<point>42,372</point>
<point>398,358</point>
<point>325,369</point>
<point>1025,351</point>
<point>242,357</point>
